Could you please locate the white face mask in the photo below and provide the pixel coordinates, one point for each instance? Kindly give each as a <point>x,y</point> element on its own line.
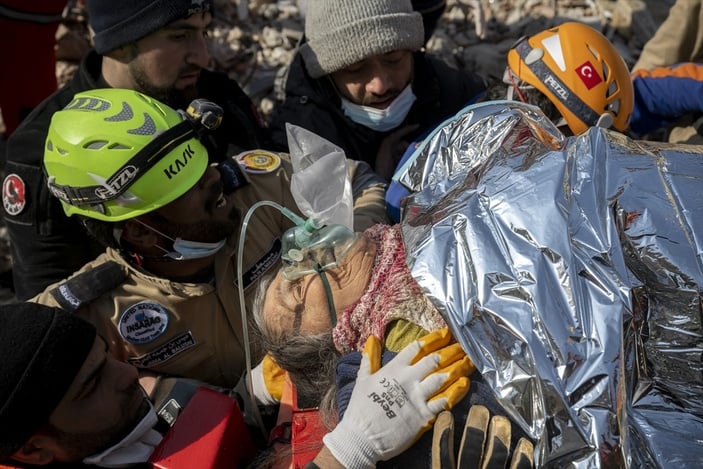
<point>381,120</point>
<point>134,448</point>
<point>184,249</point>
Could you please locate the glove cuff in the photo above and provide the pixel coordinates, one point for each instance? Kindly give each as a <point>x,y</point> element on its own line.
<point>261,391</point>
<point>351,448</point>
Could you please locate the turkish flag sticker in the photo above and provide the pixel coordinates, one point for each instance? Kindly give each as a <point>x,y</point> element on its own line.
<point>589,76</point>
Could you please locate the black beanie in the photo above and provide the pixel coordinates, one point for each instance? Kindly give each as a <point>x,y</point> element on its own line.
<point>119,22</point>
<point>41,349</point>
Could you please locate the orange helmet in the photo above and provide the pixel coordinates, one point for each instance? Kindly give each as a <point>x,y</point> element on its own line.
<point>580,71</point>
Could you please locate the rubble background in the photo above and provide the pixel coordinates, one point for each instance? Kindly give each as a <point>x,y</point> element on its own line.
<point>253,42</point>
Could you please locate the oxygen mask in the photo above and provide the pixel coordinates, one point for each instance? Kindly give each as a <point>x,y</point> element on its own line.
<point>322,190</point>
<point>320,186</point>
<point>307,248</point>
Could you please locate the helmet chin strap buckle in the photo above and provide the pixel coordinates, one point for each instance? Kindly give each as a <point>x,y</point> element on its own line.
<point>605,120</point>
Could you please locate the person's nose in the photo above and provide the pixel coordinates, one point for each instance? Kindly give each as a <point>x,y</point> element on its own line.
<point>380,82</point>
<point>198,52</point>
<point>125,375</point>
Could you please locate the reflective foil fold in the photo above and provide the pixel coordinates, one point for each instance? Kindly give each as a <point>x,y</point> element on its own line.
<point>570,270</point>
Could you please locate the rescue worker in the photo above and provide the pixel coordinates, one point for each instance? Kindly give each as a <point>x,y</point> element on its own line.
<point>571,72</point>
<point>164,294</point>
<point>65,399</point>
<point>157,47</point>
<point>360,80</point>
<point>596,85</point>
<point>678,39</point>
<point>669,103</point>
<point>667,78</point>
<point>580,73</point>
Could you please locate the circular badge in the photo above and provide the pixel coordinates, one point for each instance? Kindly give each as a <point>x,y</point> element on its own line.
<point>143,322</point>
<point>259,161</point>
<point>13,194</point>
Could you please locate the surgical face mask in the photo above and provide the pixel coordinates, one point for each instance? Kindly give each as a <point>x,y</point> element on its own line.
<point>134,448</point>
<point>381,120</point>
<point>184,249</point>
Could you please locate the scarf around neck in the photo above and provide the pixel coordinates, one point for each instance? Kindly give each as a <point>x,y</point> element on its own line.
<point>392,294</point>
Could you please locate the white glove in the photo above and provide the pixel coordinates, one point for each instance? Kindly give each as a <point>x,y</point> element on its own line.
<point>391,407</point>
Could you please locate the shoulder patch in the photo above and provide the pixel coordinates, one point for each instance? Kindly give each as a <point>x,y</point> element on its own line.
<point>143,322</point>
<point>259,161</point>
<point>263,265</point>
<point>87,286</point>
<point>232,176</point>
<point>13,194</point>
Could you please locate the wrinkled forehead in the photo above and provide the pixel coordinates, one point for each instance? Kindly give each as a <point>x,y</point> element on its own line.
<point>282,313</point>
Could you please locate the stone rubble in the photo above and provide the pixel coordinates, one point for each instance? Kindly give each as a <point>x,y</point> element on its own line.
<point>253,42</point>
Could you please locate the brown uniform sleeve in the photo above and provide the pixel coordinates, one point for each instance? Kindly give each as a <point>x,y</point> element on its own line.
<point>678,39</point>
<point>369,192</point>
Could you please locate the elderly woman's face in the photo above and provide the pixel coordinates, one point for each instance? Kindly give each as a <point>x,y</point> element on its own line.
<point>300,305</point>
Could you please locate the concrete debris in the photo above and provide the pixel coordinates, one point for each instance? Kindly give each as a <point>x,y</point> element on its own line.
<point>254,40</point>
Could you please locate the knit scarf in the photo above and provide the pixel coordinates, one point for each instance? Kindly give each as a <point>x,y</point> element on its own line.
<point>391,294</point>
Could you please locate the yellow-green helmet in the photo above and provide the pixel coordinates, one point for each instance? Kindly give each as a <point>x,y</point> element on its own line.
<point>113,154</point>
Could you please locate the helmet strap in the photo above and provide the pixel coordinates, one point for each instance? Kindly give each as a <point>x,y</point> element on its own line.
<point>514,88</point>
<point>605,120</point>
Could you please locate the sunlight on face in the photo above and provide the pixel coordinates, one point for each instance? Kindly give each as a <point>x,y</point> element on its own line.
<point>300,305</point>
<point>167,63</point>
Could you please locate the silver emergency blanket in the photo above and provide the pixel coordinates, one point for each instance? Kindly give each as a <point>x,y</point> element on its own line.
<point>570,271</point>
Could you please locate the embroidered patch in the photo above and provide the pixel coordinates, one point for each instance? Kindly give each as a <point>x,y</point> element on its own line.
<point>143,322</point>
<point>262,266</point>
<point>164,353</point>
<point>588,75</point>
<point>13,194</point>
<point>259,161</point>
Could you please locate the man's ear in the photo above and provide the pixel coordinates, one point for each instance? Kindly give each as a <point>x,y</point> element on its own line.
<point>139,235</point>
<point>38,450</point>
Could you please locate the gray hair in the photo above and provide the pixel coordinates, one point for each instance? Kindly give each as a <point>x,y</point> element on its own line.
<point>309,359</point>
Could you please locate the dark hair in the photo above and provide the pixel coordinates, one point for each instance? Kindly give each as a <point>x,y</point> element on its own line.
<point>309,359</point>
<point>532,96</point>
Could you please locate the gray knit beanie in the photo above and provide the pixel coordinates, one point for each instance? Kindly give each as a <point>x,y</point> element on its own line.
<point>119,22</point>
<point>342,32</point>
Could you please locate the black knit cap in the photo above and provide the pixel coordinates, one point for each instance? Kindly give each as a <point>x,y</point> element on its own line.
<point>119,22</point>
<point>42,350</point>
